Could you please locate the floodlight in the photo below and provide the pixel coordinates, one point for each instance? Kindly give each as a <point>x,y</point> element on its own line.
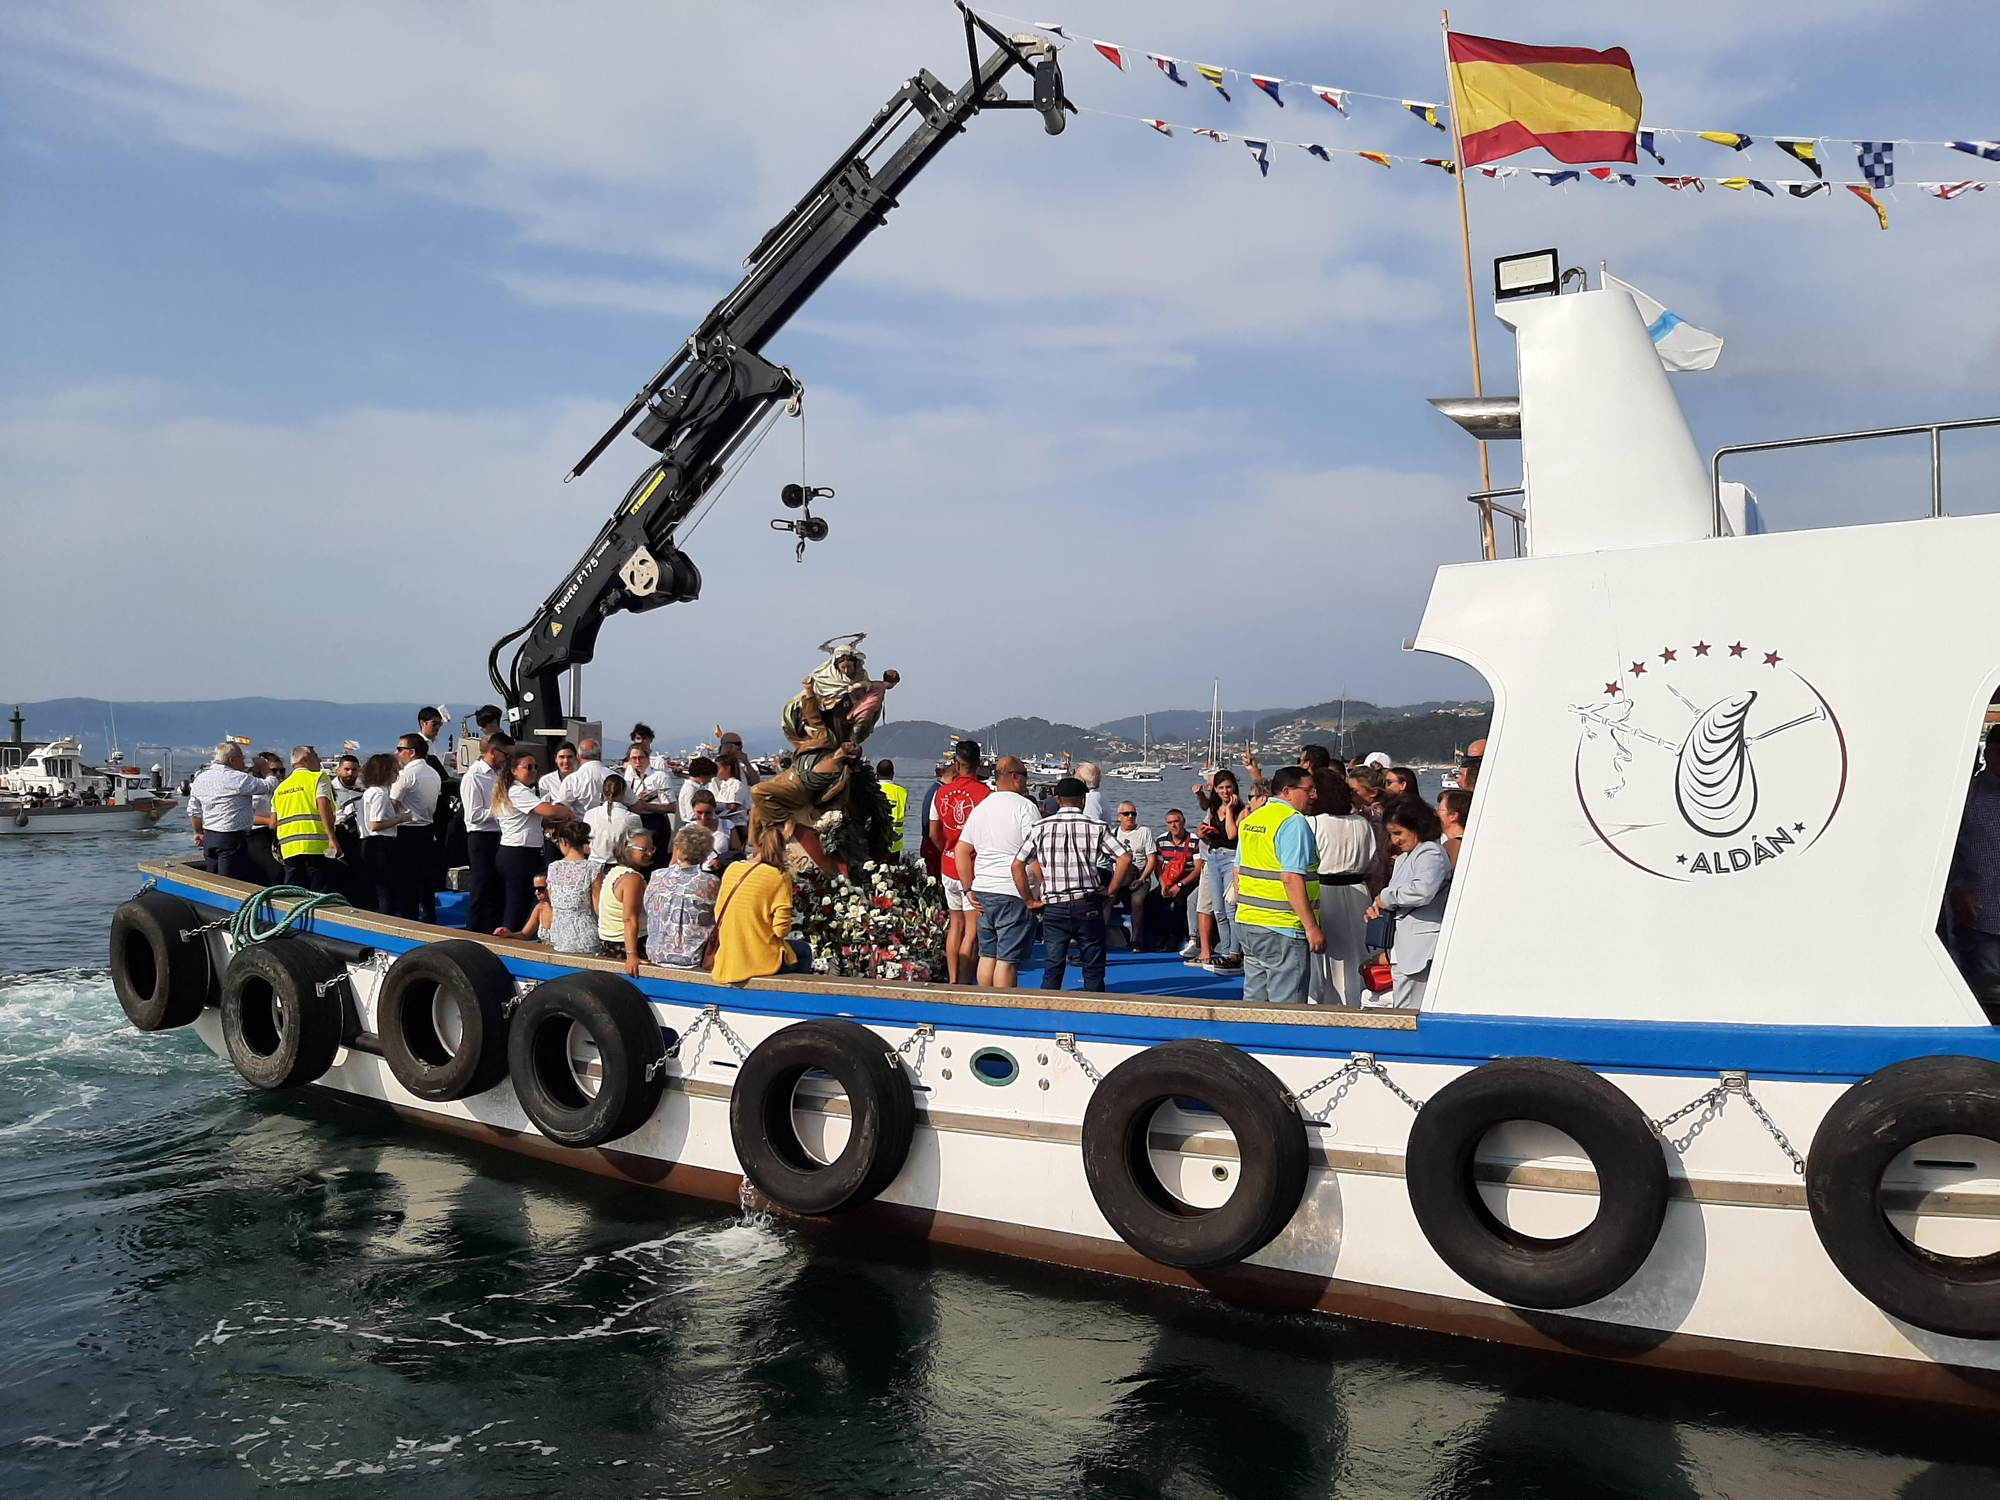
<point>1527,275</point>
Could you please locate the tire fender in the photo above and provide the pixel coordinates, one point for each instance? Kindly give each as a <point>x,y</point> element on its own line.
<point>1868,1127</point>
<point>1520,1269</point>
<point>457,985</point>
<point>282,1004</point>
<point>882,1110</point>
<point>163,979</point>
<point>618,1019</point>
<point>1273,1154</point>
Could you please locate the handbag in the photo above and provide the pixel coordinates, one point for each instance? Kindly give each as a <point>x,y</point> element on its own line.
<point>1380,934</point>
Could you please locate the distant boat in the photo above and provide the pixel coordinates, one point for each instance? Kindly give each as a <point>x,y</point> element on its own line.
<point>1145,768</point>
<point>46,788</point>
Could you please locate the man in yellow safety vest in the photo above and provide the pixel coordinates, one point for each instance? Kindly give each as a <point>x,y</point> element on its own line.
<point>899,802</point>
<point>1277,891</point>
<point>303,809</point>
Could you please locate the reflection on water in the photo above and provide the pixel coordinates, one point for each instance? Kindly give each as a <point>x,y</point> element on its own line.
<point>207,1292</point>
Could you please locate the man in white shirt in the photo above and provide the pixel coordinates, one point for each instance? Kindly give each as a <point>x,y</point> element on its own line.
<point>610,819</point>
<point>415,791</point>
<point>551,783</point>
<point>1093,799</point>
<point>649,793</point>
<point>987,848</point>
<point>486,904</point>
<point>1144,849</point>
<point>219,807</point>
<point>583,788</point>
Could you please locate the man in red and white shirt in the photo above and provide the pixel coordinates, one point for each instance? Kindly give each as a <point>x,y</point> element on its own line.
<point>951,805</point>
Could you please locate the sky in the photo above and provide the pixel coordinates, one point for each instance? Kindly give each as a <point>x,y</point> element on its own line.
<point>308,309</point>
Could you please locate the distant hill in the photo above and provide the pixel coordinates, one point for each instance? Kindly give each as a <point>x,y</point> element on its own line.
<point>1187,723</point>
<point>1424,731</point>
<point>269,723</point>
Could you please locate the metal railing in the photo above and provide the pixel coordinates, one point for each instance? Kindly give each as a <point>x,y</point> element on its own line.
<point>1487,501</point>
<point>1937,458</point>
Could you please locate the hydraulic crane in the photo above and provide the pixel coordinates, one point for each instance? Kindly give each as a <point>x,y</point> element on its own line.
<point>717,390</point>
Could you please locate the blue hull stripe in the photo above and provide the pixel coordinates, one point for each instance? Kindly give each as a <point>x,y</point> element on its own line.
<point>1820,1053</point>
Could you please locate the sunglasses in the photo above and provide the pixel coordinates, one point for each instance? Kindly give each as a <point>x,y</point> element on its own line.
<point>541,890</point>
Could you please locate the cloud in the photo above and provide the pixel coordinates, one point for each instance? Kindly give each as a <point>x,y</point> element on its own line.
<point>1092,403</point>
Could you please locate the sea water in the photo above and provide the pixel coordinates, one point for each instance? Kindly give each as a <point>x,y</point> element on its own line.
<point>209,1291</point>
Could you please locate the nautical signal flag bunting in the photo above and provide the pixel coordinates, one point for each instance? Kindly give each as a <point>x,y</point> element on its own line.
<point>1576,104</point>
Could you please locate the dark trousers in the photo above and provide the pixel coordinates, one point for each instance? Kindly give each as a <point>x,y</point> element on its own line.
<point>355,882</point>
<point>226,854</point>
<point>1073,923</point>
<point>417,851</point>
<point>486,903</point>
<point>383,873</point>
<point>315,872</point>
<point>260,848</point>
<point>518,869</point>
<point>1168,916</point>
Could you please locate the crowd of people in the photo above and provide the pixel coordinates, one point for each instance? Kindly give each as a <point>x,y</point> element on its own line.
<point>636,862</point>
<point>1295,880</point>
<point>1300,880</point>
<point>1295,885</point>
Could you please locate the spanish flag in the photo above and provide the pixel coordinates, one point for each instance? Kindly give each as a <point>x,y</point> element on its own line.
<point>1576,104</point>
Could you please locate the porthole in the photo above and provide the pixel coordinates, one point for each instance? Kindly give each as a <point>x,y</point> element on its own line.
<point>995,1066</point>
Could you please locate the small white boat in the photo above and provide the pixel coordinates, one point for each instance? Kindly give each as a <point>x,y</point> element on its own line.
<point>47,788</point>
<point>1144,769</point>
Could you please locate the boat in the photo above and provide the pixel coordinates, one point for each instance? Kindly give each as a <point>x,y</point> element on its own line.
<point>1727,1108</point>
<point>1145,769</point>
<point>1049,767</point>
<point>45,787</point>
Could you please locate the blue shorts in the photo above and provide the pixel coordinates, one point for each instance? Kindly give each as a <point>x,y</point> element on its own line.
<point>1006,929</point>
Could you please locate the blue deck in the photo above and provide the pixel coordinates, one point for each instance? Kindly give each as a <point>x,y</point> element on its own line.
<point>1124,974</point>
<point>1697,1049</point>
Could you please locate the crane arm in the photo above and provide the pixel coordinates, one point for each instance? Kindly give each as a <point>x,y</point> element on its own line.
<point>709,398</point>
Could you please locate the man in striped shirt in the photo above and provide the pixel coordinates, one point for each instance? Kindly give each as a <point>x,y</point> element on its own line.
<point>1065,852</point>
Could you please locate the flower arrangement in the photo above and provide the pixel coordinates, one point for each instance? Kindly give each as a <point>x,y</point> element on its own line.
<point>885,921</point>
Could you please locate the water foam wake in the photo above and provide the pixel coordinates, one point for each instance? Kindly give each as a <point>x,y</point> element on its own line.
<point>607,1295</point>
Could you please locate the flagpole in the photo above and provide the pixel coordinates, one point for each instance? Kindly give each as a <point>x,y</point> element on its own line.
<point>1471,299</point>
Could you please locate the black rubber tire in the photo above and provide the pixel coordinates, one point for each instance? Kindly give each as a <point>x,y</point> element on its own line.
<point>163,980</point>
<point>1520,1269</point>
<point>882,1113</point>
<point>471,979</point>
<point>1271,1146</point>
<point>281,1031</point>
<point>620,1020</point>
<point>1870,1125</point>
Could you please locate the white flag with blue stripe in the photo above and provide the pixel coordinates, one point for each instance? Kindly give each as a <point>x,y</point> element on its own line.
<point>1681,345</point>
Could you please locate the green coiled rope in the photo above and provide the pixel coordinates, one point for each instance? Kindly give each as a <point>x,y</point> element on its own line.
<point>244,928</point>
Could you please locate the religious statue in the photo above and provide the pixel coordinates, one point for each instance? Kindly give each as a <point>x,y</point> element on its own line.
<point>828,802</point>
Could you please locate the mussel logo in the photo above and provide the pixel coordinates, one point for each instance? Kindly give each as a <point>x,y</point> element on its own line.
<point>1715,782</point>
<point>1708,760</point>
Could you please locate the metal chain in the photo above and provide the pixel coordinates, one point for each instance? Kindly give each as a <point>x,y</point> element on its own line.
<point>326,986</point>
<point>216,926</point>
<point>1066,1042</point>
<point>1711,1103</point>
<point>710,1019</point>
<point>151,883</point>
<point>1359,1063</point>
<point>923,1034</point>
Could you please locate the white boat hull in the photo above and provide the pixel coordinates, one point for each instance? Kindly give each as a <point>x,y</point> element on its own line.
<point>19,819</point>
<point>1737,1284</point>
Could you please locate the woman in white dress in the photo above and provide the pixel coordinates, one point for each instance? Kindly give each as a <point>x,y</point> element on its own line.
<point>1346,842</point>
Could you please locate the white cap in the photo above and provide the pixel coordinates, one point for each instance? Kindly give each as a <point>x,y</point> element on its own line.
<point>1378,759</point>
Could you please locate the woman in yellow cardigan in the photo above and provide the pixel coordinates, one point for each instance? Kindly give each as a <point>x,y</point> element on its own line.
<point>754,915</point>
